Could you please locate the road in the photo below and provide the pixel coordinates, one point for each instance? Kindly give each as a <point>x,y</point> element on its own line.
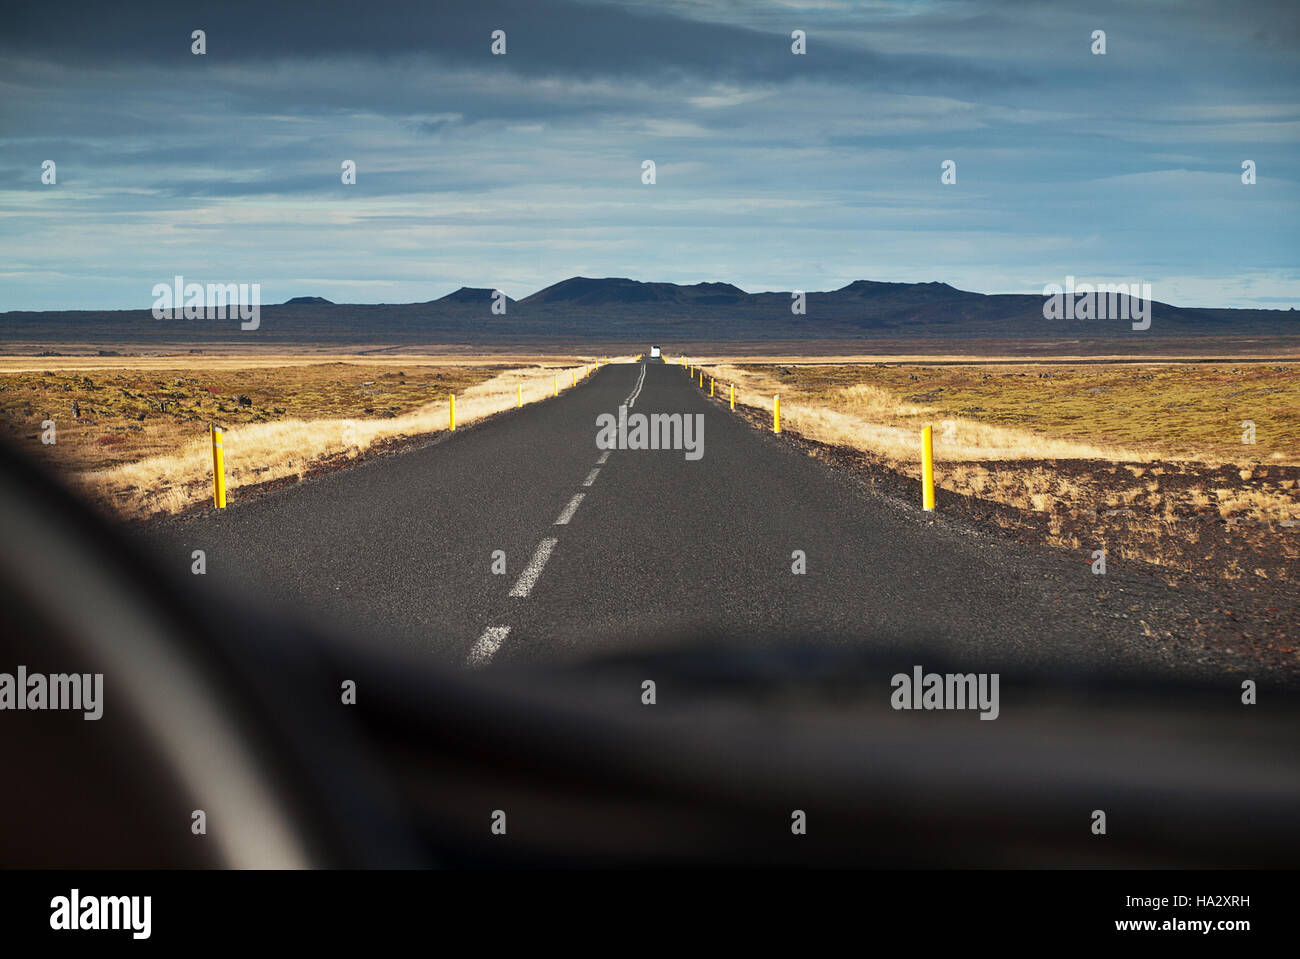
<point>642,548</point>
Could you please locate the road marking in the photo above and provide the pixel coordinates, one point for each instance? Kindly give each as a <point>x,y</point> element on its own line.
<point>487,645</point>
<point>631,400</point>
<point>528,578</point>
<point>570,510</point>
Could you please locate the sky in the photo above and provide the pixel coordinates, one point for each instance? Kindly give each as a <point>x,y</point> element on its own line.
<point>773,171</point>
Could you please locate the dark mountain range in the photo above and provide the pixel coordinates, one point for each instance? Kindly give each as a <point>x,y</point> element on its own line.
<point>473,296</point>
<point>309,301</point>
<point>615,309</point>
<point>615,291</point>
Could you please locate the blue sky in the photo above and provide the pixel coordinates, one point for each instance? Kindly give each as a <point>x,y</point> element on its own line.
<point>774,171</point>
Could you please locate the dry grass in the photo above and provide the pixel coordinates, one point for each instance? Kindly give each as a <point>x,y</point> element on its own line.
<point>1134,414</point>
<point>162,463</point>
<point>266,451</point>
<point>1134,460</point>
<point>867,416</point>
<point>128,414</point>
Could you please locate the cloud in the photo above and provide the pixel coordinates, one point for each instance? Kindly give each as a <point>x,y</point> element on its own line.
<point>773,169</point>
<point>558,38</point>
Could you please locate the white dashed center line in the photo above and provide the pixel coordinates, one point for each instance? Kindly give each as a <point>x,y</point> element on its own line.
<point>528,579</point>
<point>570,510</point>
<point>487,645</point>
<point>631,400</point>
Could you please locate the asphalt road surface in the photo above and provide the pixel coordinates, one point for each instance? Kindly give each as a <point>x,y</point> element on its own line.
<point>641,548</point>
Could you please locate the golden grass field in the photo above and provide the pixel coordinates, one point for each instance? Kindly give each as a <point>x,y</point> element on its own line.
<point>1119,412</point>
<point>137,438</point>
<point>1144,460</point>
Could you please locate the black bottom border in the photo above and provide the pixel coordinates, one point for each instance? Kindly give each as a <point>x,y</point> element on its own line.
<point>332,908</point>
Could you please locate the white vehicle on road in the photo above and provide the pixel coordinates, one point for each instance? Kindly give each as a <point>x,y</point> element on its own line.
<point>654,352</point>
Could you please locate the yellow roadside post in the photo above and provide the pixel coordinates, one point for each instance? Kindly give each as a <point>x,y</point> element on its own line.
<point>573,378</point>
<point>733,396</point>
<point>927,469</point>
<point>218,467</point>
<point>776,413</point>
<point>710,386</point>
<point>701,379</point>
<point>452,410</point>
<point>586,372</point>
<point>520,388</point>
